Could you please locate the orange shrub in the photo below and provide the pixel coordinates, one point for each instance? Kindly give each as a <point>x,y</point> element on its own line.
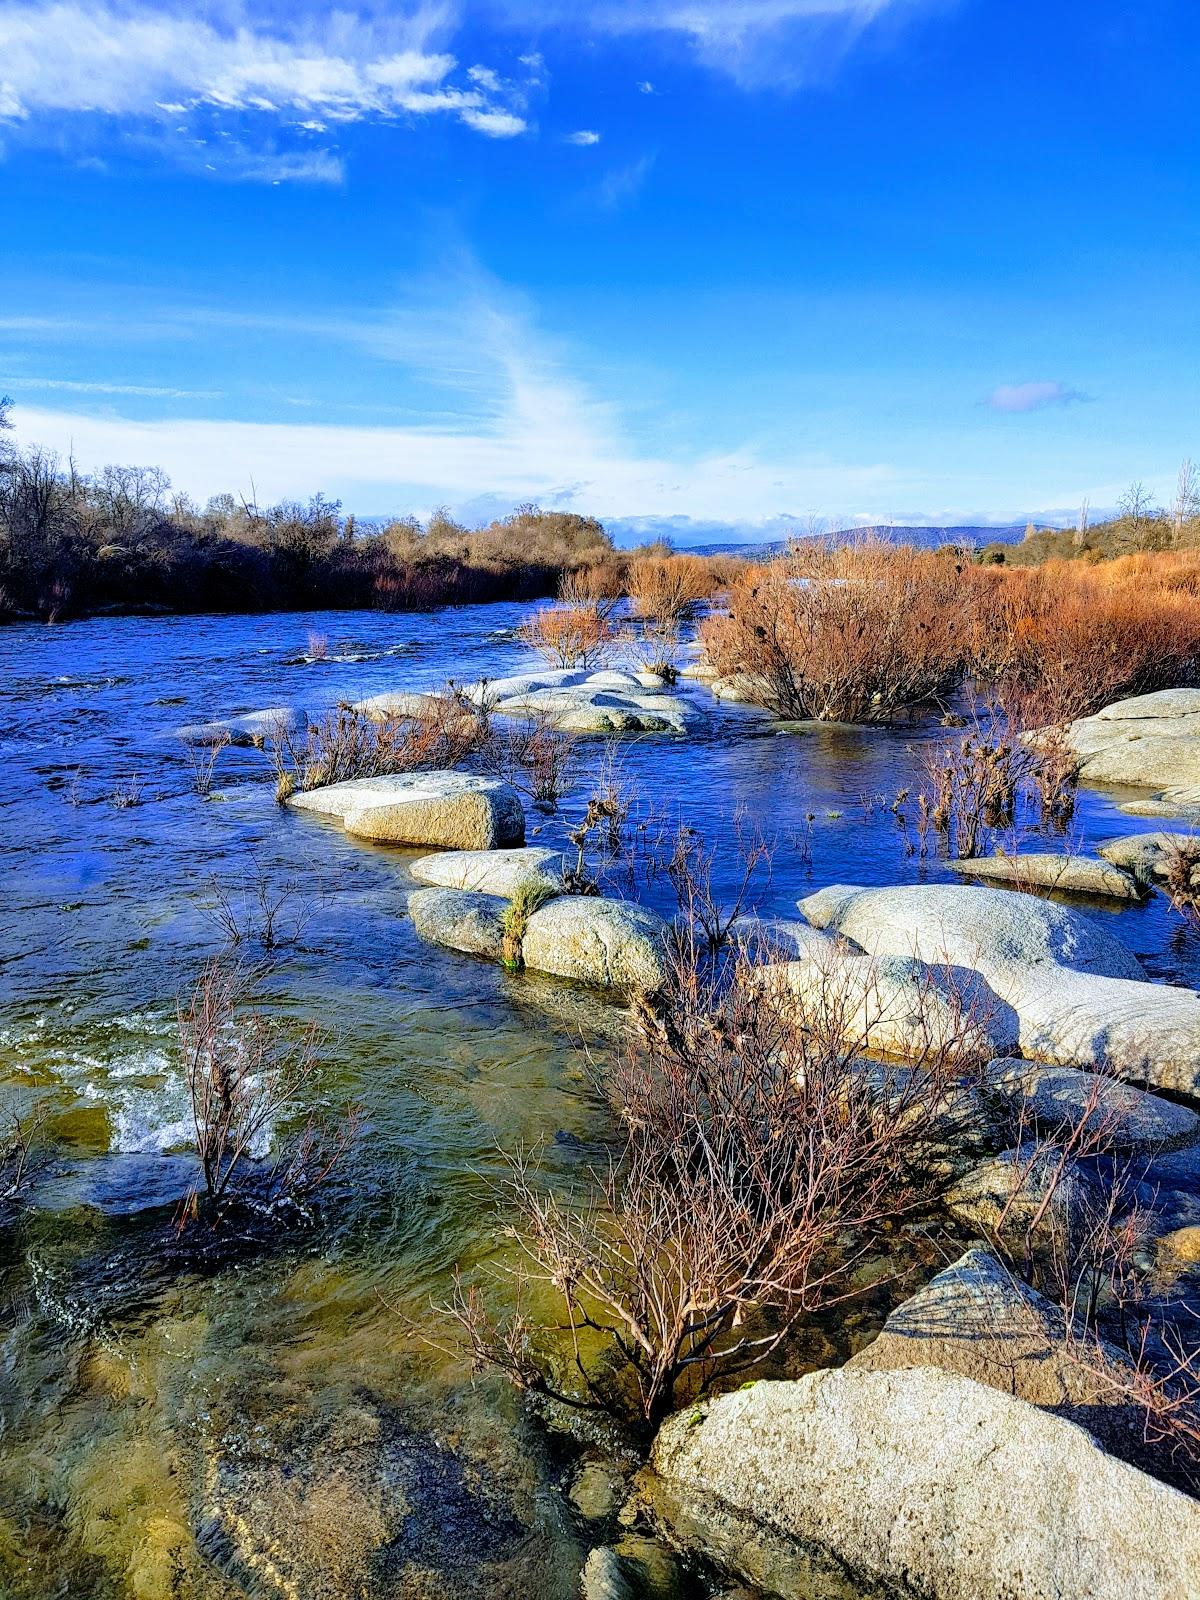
<point>570,635</point>
<point>669,588</point>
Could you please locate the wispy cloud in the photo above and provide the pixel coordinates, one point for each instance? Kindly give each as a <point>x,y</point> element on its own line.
<point>309,68</point>
<point>1032,396</point>
<point>621,185</point>
<point>779,42</point>
<point>147,390</point>
<point>584,136</point>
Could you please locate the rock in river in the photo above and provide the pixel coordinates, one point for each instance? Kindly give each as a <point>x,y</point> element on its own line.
<point>1128,1119</point>
<point>492,871</point>
<point>1151,741</point>
<point>453,809</point>
<point>1081,998</point>
<point>607,943</point>
<point>1044,870</point>
<point>251,728</point>
<point>918,1484</point>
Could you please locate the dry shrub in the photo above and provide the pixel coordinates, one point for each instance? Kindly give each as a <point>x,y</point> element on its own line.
<point>534,755</point>
<point>1181,861</point>
<point>861,636</point>
<point>245,1073</point>
<point>1062,640</point>
<point>758,1157</point>
<point>570,635</point>
<point>349,744</point>
<point>668,588</point>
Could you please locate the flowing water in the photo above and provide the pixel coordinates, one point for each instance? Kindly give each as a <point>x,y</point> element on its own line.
<point>266,1423</point>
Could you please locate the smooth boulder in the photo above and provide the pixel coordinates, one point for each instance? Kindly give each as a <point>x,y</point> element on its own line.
<point>459,920</point>
<point>1151,741</point>
<point>455,810</point>
<point>1150,857</point>
<point>979,1320</point>
<point>1063,874</point>
<point>918,1484</point>
<point>607,942</point>
<point>1047,1098</point>
<point>252,728</point>
<point>500,872</point>
<point>894,1004</point>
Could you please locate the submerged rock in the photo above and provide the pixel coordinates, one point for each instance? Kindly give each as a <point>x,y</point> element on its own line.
<point>251,728</point>
<point>920,1484</point>
<point>452,809</point>
<point>1033,1187</point>
<point>499,872</point>
<point>1067,874</point>
<point>1080,997</point>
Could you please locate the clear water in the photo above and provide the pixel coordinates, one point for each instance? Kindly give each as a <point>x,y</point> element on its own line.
<point>272,1426</point>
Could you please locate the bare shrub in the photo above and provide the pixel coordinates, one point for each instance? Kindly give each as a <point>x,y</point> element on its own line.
<point>706,921</point>
<point>669,588</point>
<point>757,1159</point>
<point>257,911</point>
<point>860,636</point>
<point>127,793</point>
<point>349,744</point>
<point>202,755</point>
<point>1181,861</point>
<point>535,755</point>
<point>21,1133</point>
<point>570,635</point>
<point>246,1073</point>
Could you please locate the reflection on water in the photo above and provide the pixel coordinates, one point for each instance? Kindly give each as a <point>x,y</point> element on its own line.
<point>270,1426</point>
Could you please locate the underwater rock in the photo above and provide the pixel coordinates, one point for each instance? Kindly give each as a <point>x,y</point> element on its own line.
<point>453,809</point>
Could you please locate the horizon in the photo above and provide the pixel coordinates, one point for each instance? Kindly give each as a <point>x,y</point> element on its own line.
<point>700,272</point>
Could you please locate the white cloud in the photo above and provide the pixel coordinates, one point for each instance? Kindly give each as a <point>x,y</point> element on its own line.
<point>622,184</point>
<point>645,87</point>
<point>521,425</point>
<point>584,136</point>
<point>1032,396</point>
<point>147,61</point>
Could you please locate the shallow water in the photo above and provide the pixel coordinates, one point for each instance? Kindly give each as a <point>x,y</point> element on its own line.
<point>171,1433</point>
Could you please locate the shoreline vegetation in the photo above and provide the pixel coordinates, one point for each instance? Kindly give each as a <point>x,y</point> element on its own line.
<point>121,541</point>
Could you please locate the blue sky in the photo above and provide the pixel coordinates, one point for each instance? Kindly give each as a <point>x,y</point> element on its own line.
<point>687,264</point>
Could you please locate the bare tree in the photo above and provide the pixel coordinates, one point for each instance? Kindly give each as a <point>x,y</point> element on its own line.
<point>1136,505</point>
<point>1186,507</point>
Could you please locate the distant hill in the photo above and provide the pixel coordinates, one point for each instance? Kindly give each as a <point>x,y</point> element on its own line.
<point>924,538</point>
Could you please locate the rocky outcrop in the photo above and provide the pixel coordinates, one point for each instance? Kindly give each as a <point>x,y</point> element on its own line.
<point>1064,874</point>
<point>587,702</point>
<point>452,809</point>
<point>499,872</point>
<point>1151,741</point>
<point>1080,997</point>
<point>918,1484</point>
<point>1130,1121</point>
<point>605,943</point>
<point>252,728</point>
<point>1150,856</point>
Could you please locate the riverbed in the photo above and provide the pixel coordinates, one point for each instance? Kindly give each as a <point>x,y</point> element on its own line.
<point>274,1421</point>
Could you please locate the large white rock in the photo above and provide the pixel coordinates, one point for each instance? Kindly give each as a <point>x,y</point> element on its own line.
<point>590,709</point>
<point>453,809</point>
<point>918,1484</point>
<point>1149,855</point>
<point>1151,741</point>
<point>895,1004</point>
<point>401,703</point>
<point>1080,997</point>
<point>499,872</point>
<point>607,942</point>
<point>979,1320</point>
<point>251,728</point>
<point>1044,870</point>
<point>996,931</point>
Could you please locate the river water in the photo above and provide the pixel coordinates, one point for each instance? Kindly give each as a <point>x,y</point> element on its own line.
<point>271,1424</point>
